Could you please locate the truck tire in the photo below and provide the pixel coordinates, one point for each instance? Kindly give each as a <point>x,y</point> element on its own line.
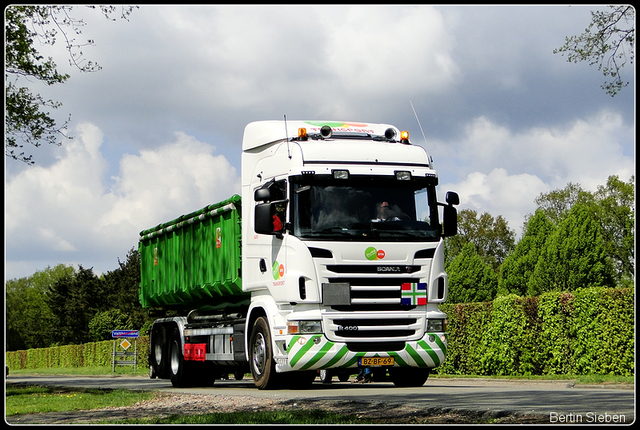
<point>409,376</point>
<point>179,369</point>
<point>343,376</point>
<point>159,353</point>
<point>326,376</point>
<point>261,362</point>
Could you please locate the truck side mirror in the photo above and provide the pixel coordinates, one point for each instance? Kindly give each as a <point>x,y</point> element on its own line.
<point>262,194</point>
<point>452,198</point>
<point>450,221</point>
<point>450,214</point>
<point>270,217</point>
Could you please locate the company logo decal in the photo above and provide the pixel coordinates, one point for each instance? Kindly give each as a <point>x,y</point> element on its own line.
<point>343,126</point>
<point>278,271</point>
<point>373,254</point>
<point>218,238</point>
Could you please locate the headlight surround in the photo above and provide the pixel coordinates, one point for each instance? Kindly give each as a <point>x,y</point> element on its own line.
<point>436,325</point>
<point>304,327</point>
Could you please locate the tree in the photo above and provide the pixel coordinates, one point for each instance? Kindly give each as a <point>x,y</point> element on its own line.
<point>122,288</point>
<point>75,300</point>
<point>614,210</point>
<point>101,325</point>
<point>30,323</point>
<point>557,203</point>
<point>518,267</point>
<point>26,118</point>
<point>608,42</point>
<point>492,237</point>
<point>470,278</point>
<point>573,257</point>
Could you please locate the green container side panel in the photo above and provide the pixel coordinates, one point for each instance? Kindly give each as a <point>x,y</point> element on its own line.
<point>193,261</point>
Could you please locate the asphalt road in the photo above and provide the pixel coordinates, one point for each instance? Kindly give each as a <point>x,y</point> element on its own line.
<point>559,400</point>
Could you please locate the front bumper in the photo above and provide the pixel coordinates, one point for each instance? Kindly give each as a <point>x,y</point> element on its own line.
<point>314,351</point>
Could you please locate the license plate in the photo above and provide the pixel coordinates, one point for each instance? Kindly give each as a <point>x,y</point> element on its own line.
<point>376,361</point>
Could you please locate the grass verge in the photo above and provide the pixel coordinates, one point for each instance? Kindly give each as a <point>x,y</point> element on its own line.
<point>315,416</point>
<point>579,379</point>
<point>37,399</point>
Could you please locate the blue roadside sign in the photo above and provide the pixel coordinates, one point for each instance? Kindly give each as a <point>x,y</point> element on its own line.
<point>124,333</point>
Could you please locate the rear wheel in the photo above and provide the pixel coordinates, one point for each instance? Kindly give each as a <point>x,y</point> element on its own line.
<point>325,376</point>
<point>159,354</point>
<point>180,371</point>
<point>261,361</point>
<point>344,376</point>
<point>409,376</point>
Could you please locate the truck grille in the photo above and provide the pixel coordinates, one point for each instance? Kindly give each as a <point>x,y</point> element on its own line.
<point>341,328</point>
<point>373,294</point>
<point>358,293</point>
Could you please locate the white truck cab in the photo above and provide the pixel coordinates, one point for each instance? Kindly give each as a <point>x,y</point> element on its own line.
<point>342,250</point>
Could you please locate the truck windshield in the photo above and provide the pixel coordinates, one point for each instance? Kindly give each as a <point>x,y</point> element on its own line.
<point>365,209</point>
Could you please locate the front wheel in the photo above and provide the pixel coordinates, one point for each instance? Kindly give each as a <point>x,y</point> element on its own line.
<point>409,376</point>
<point>261,361</point>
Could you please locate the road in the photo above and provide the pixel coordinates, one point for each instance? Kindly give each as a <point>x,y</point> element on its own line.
<point>558,400</point>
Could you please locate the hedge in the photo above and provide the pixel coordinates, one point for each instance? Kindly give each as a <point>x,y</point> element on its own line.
<point>589,331</point>
<point>91,354</point>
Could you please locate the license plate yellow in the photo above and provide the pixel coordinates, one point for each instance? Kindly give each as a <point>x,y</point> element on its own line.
<point>376,361</point>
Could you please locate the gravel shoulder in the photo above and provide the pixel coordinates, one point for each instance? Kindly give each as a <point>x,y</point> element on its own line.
<point>168,404</point>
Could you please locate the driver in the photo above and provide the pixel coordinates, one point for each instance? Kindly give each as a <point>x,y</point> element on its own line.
<point>386,213</point>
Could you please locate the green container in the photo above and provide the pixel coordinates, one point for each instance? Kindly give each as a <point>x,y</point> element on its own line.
<point>194,261</point>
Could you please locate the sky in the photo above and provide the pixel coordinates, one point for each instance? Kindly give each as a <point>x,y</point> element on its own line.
<point>158,131</point>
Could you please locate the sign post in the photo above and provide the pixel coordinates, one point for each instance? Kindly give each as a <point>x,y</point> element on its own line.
<point>125,344</point>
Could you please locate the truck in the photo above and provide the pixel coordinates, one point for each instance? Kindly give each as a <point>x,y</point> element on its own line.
<point>331,259</point>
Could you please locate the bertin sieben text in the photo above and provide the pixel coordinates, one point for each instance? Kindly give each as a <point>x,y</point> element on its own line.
<point>588,417</point>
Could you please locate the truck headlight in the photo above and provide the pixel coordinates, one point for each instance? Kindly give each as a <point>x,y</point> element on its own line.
<point>304,327</point>
<point>437,326</point>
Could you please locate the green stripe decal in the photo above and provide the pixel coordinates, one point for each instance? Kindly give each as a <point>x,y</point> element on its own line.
<point>430,351</point>
<point>294,339</point>
<point>354,360</point>
<point>398,359</point>
<point>323,351</point>
<point>343,351</point>
<point>441,344</point>
<point>306,347</point>
<point>416,357</point>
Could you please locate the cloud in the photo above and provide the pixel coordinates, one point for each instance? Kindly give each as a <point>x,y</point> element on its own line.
<point>502,172</point>
<point>68,213</point>
<point>498,193</point>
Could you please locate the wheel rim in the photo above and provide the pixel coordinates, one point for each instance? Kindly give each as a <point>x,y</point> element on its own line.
<point>158,353</point>
<point>259,354</point>
<point>175,358</point>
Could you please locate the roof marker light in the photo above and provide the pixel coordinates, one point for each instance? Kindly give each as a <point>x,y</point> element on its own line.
<point>302,133</point>
<point>404,137</point>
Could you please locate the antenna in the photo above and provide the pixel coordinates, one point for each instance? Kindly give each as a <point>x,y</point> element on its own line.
<point>286,133</point>
<point>422,131</point>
